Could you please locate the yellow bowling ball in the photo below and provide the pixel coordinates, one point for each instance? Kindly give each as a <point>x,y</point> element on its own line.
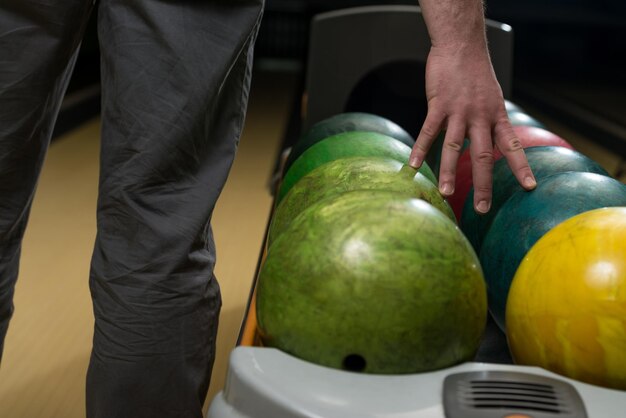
<point>566,310</point>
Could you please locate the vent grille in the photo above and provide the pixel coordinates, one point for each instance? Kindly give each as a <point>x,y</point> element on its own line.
<point>496,394</point>
<point>511,395</point>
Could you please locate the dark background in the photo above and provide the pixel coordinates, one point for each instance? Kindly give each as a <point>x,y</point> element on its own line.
<point>567,58</point>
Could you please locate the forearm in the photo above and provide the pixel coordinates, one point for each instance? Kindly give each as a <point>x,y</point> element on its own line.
<point>454,24</point>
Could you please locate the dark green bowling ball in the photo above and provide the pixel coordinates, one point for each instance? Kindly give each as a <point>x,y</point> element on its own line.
<point>347,122</point>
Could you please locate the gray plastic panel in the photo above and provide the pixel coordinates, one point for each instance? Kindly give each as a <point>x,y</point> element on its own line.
<point>267,383</point>
<point>346,45</point>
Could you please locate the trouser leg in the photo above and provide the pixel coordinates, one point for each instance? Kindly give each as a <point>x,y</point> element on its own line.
<point>38,47</point>
<point>175,85</point>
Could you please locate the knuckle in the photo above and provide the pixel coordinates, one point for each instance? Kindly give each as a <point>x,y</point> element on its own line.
<point>453,146</point>
<point>421,147</point>
<point>507,139</point>
<point>503,120</point>
<point>514,144</point>
<point>510,142</point>
<point>430,130</point>
<point>485,158</point>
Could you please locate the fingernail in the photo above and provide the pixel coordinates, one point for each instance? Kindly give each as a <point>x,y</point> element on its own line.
<point>414,162</point>
<point>483,206</point>
<point>447,189</point>
<point>530,183</point>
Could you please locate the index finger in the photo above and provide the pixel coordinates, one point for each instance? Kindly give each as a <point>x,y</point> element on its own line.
<point>430,129</point>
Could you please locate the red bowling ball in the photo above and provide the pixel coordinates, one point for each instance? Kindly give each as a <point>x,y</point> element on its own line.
<point>463,184</point>
<point>529,136</point>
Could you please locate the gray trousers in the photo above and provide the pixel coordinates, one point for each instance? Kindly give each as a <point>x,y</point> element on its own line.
<point>175,83</point>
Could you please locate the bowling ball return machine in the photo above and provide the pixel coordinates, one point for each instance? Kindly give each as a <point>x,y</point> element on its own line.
<point>346,48</point>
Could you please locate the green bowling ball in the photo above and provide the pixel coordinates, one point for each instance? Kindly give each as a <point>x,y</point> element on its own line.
<point>348,144</point>
<point>356,173</point>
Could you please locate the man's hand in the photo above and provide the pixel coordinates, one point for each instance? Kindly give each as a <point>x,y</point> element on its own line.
<point>465,100</point>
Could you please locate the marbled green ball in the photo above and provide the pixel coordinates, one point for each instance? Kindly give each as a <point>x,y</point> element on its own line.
<point>377,277</point>
<point>357,173</point>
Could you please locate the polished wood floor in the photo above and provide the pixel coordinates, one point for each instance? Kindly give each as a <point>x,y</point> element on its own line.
<point>48,343</point>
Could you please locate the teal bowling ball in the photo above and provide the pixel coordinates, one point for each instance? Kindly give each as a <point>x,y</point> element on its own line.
<point>527,216</point>
<point>544,161</point>
<point>523,119</point>
<point>512,107</point>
